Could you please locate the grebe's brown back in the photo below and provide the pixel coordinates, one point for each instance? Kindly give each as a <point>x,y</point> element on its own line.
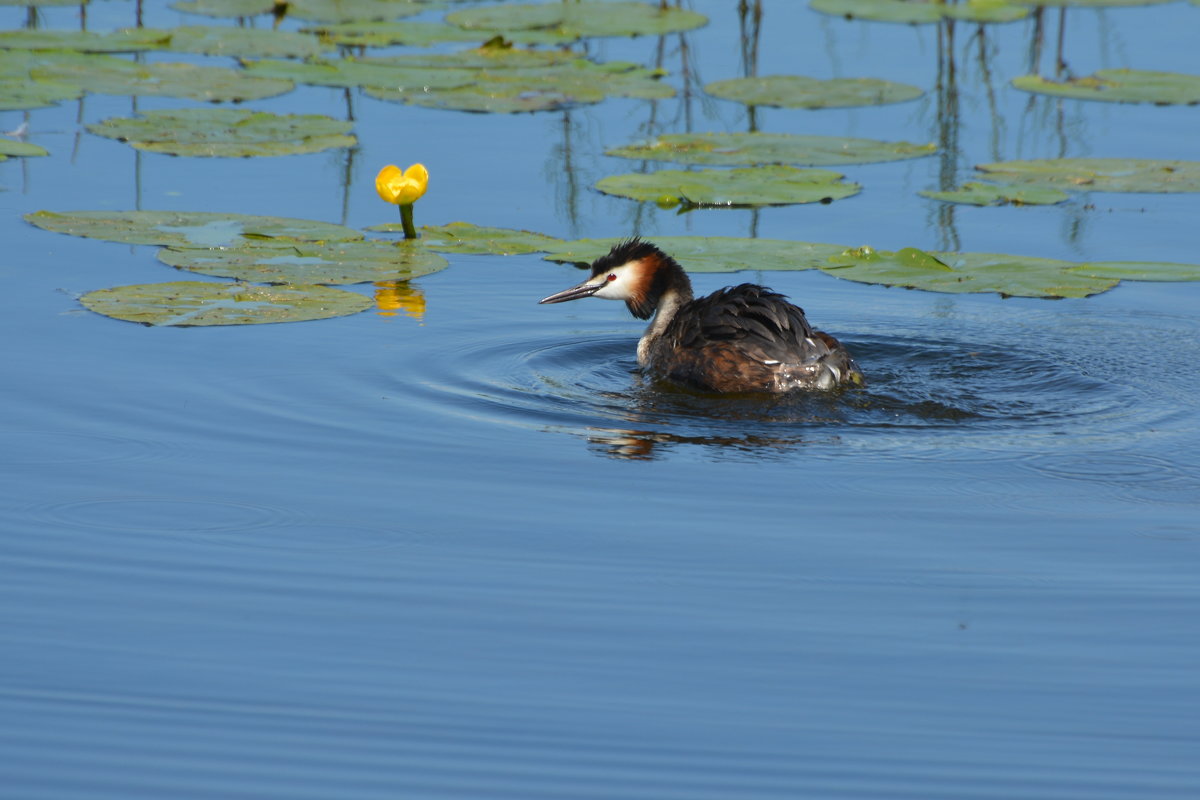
<point>741,339</point>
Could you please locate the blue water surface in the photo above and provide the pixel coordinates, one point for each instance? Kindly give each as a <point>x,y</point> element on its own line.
<point>466,551</point>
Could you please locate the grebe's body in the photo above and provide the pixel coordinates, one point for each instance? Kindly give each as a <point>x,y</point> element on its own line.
<point>741,339</point>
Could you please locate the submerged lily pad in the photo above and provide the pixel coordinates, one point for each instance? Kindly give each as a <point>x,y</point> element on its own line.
<point>914,12</point>
<point>511,91</point>
<point>991,194</point>
<point>108,75</point>
<point>186,228</point>
<point>227,132</point>
<point>755,186</point>
<point>9,147</point>
<point>25,92</point>
<point>728,149</point>
<point>581,18</point>
<point>798,91</point>
<point>713,253</point>
<point>194,303</point>
<point>463,237</point>
<point>1140,270</point>
<point>282,261</point>
<point>423,34</point>
<point>1120,86</point>
<point>1101,174</point>
<point>957,273</point>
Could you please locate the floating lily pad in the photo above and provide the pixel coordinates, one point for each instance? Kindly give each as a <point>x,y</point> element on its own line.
<point>463,237</point>
<point>491,56</point>
<point>728,149</point>
<point>1120,86</point>
<point>798,91</point>
<point>1101,174</point>
<point>713,253</point>
<point>186,228</point>
<point>281,261</point>
<point>39,3</point>
<point>353,10</point>
<point>127,40</point>
<point>511,91</point>
<point>1140,270</point>
<point>912,12</point>
<point>25,92</point>
<point>349,72</point>
<point>227,132</point>
<point>990,194</point>
<point>108,75</point>
<point>194,303</point>
<point>957,273</point>
<point>581,18</point>
<point>755,186</point>
<point>225,8</point>
<point>1096,3</point>
<point>423,34</point>
<point>8,147</point>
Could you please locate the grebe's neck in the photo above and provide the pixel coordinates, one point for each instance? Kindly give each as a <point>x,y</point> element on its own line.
<point>669,303</point>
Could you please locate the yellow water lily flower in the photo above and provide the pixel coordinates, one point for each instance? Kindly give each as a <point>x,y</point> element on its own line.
<point>402,187</point>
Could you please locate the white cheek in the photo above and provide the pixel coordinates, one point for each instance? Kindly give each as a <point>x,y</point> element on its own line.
<point>610,291</point>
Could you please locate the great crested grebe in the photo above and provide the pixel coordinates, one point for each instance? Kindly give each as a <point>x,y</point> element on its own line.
<point>741,339</point>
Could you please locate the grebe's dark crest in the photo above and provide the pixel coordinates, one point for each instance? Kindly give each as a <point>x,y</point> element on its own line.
<point>741,339</point>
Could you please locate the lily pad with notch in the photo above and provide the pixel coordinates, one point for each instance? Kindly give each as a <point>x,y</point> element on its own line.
<point>229,133</point>
<point>582,18</point>
<point>1100,174</point>
<point>798,91</point>
<point>731,149</point>
<point>1119,86</point>
<point>465,238</point>
<point>992,194</point>
<point>186,228</point>
<point>108,75</point>
<point>753,186</point>
<point>198,303</point>
<point>296,262</point>
<point>424,34</point>
<point>960,273</point>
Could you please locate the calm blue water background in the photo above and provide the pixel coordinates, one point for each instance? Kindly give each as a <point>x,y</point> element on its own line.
<point>474,556</point>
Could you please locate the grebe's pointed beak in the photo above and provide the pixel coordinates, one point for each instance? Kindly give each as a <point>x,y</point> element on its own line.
<point>574,293</point>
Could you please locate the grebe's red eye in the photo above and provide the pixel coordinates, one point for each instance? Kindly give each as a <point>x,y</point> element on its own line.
<point>612,276</point>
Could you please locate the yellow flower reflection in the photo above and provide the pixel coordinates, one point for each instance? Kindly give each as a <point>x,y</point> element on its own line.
<point>402,187</point>
<point>393,296</point>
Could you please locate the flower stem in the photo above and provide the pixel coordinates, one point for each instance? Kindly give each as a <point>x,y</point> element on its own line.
<point>406,219</point>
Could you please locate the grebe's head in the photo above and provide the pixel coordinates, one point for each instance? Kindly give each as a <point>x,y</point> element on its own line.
<point>634,271</point>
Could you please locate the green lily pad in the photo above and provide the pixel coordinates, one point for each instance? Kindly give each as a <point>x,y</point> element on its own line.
<point>282,261</point>
<point>516,90</point>
<point>990,194</point>
<point>25,92</point>
<point>914,12</point>
<point>713,253</point>
<point>463,237</point>
<point>1120,86</point>
<point>958,273</point>
<point>729,149</point>
<point>195,303</point>
<point>353,10</point>
<point>581,18</point>
<point>258,42</point>
<point>225,8</point>
<point>109,75</point>
<point>755,186</point>
<point>1139,270</point>
<point>186,228</point>
<point>126,40</point>
<point>798,91</point>
<point>1101,174</point>
<point>424,34</point>
<point>227,132</point>
<point>8,147</point>
<point>491,56</point>
<point>350,72</point>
